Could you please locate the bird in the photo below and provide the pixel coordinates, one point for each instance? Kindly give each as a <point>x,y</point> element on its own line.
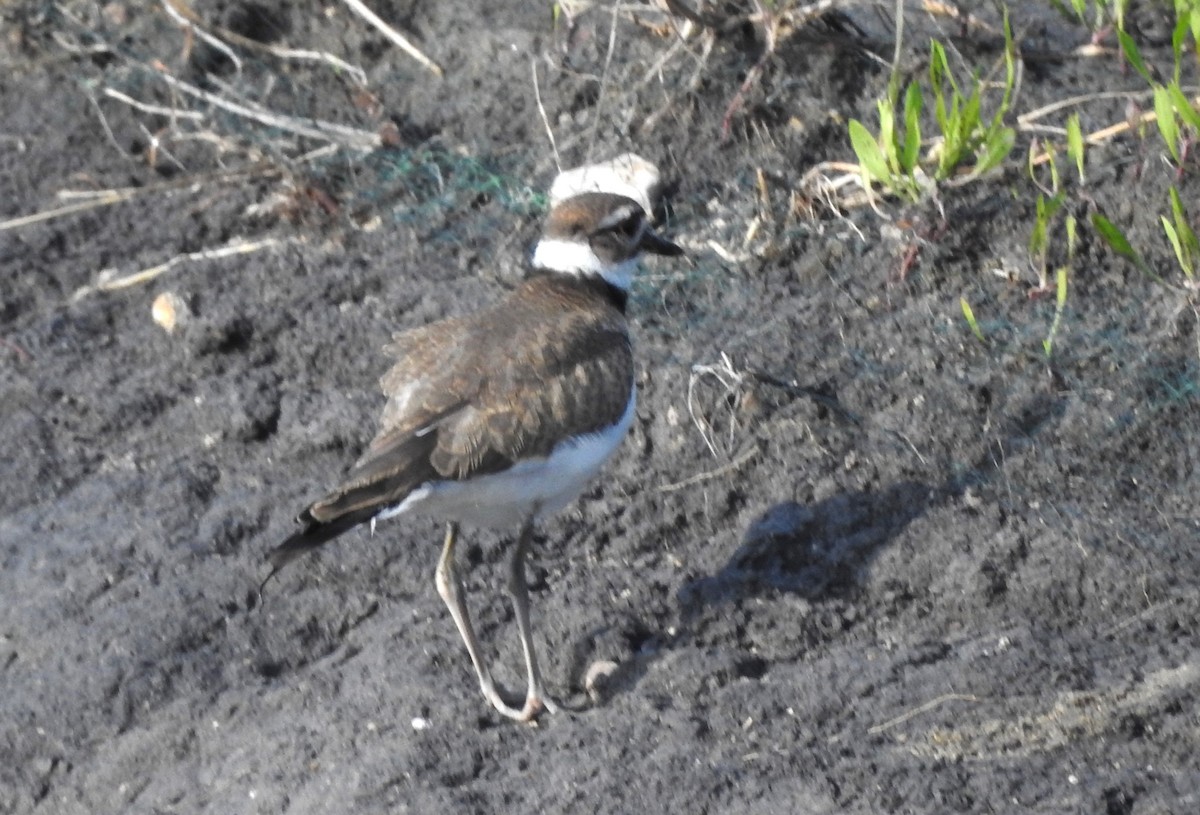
<point>501,418</point>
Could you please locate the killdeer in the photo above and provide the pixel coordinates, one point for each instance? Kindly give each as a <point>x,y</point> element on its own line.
<point>501,417</point>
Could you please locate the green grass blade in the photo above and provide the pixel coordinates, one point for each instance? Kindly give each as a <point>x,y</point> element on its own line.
<point>1183,106</point>
<point>969,315</point>
<point>1130,49</point>
<point>1185,235</point>
<point>995,150</point>
<point>1075,148</point>
<point>1060,305</point>
<point>912,128</point>
<point>1010,70</point>
<point>1178,38</point>
<point>887,135</point>
<point>1176,243</point>
<point>1168,125</point>
<point>1117,241</point>
<point>870,157</point>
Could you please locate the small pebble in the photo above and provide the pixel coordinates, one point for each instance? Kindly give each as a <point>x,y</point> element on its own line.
<point>169,311</point>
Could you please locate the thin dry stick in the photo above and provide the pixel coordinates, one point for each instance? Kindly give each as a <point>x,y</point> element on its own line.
<point>899,37</point>
<point>656,68</point>
<point>731,379</point>
<point>185,14</point>
<point>313,128</point>
<point>1025,122</point>
<point>736,464</point>
<point>392,34</point>
<point>114,197</point>
<point>105,198</point>
<point>180,17</point>
<point>537,96</point>
<point>236,247</point>
<point>612,42</point>
<point>1072,101</point>
<point>173,113</point>
<point>303,55</point>
<point>1106,133</point>
<point>917,711</point>
<point>112,139</point>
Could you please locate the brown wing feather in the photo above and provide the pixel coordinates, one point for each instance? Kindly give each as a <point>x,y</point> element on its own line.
<point>565,369</point>
<point>470,395</point>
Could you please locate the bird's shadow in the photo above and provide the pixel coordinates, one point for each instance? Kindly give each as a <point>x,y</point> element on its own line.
<point>824,551</point>
<point>817,551</point>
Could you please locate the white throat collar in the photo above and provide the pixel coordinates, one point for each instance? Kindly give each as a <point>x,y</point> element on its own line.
<point>573,257</point>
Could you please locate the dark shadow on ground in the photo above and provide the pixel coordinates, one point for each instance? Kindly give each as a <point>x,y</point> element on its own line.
<point>814,551</point>
<point>822,551</point>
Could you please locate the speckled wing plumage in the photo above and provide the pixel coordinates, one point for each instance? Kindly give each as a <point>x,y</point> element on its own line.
<point>472,395</point>
<point>552,360</point>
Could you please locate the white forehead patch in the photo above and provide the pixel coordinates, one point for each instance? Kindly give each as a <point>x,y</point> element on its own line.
<point>627,174</point>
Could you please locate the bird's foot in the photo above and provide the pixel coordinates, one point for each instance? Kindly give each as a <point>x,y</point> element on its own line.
<point>535,703</point>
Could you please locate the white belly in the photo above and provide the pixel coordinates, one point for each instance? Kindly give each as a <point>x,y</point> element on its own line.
<point>506,499</point>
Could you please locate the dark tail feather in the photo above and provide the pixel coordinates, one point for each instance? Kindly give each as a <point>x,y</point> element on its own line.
<point>390,470</point>
<point>310,537</point>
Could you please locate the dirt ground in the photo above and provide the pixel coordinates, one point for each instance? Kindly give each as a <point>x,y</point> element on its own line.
<point>851,559</point>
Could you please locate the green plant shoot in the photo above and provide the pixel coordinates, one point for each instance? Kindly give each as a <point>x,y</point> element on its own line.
<point>969,315</point>
<point>1060,305</point>
<point>1182,237</point>
<point>1075,144</point>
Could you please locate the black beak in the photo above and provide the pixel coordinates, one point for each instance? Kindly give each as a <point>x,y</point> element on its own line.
<point>657,245</point>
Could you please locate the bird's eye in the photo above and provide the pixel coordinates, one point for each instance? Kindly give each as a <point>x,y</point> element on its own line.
<point>630,226</point>
<point>628,222</point>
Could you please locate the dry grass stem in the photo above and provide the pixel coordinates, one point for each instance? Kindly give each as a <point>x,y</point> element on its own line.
<point>1106,133</point>
<point>395,36</point>
<point>1025,121</point>
<point>73,47</point>
<point>919,709</point>
<point>1075,101</point>
<point>161,110</point>
<point>737,463</point>
<point>185,15</point>
<point>103,198</point>
<point>312,128</point>
<point>537,96</point>
<point>604,73</point>
<point>819,185</point>
<point>303,55</point>
<point>188,20</point>
<point>105,282</point>
<point>731,381</point>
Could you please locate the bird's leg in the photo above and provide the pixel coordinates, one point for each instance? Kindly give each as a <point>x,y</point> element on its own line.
<point>535,697</point>
<point>449,586</point>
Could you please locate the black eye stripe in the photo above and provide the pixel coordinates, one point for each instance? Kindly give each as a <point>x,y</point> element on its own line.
<point>623,219</point>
